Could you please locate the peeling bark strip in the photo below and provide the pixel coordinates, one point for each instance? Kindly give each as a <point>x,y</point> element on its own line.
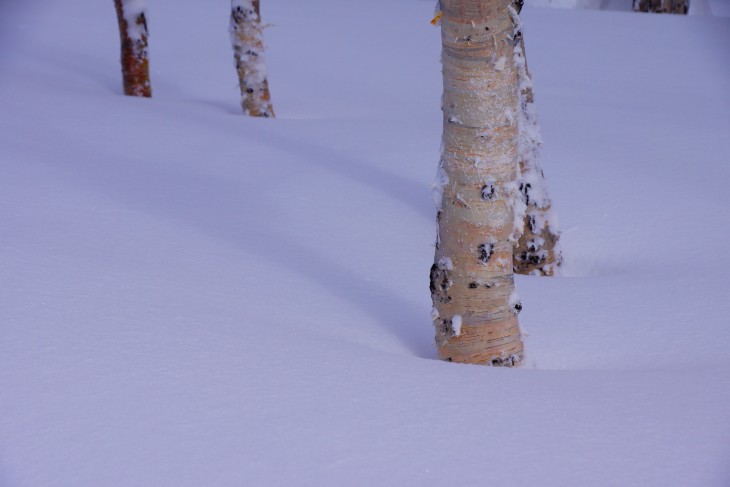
<point>476,184</point>
<point>537,250</point>
<point>662,6</point>
<point>248,52</point>
<point>133,37</point>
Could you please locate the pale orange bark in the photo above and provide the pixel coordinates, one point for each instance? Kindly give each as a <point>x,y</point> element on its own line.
<point>472,287</point>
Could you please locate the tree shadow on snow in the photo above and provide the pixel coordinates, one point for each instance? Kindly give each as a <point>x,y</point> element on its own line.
<point>232,212</point>
<point>408,192</point>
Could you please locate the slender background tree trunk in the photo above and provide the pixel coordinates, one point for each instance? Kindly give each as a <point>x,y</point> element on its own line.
<point>538,250</point>
<point>248,51</point>
<point>480,213</point>
<point>133,36</point>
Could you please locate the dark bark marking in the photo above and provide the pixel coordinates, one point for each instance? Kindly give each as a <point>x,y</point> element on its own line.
<point>485,250</point>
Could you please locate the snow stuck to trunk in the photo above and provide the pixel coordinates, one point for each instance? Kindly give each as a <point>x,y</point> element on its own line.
<point>132,11</point>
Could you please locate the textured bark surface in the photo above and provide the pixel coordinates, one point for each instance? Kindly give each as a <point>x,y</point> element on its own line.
<point>475,305</point>
<point>662,6</point>
<point>248,52</point>
<point>135,63</point>
<point>538,250</point>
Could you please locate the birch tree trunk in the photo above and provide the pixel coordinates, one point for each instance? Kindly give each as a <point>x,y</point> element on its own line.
<point>480,209</point>
<point>248,52</point>
<point>662,6</point>
<point>538,250</point>
<point>133,37</point>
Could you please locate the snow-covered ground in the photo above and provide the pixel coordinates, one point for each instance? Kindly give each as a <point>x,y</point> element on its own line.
<point>192,297</point>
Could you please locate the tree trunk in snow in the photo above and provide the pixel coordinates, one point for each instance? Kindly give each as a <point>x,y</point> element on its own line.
<point>248,52</point>
<point>133,37</point>
<point>662,6</point>
<point>480,209</point>
<point>538,250</point>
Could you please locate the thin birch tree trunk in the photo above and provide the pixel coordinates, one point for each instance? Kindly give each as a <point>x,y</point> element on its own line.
<point>538,250</point>
<point>248,52</point>
<point>133,36</point>
<point>480,209</point>
<point>662,6</point>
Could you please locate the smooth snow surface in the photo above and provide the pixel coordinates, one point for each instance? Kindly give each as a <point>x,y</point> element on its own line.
<point>191,297</point>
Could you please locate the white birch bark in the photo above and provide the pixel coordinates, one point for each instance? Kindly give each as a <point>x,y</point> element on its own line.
<point>479,218</point>
<point>247,39</point>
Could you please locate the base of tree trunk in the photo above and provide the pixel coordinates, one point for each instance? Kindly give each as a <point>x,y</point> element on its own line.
<point>135,62</point>
<point>537,253</point>
<point>496,344</point>
<point>246,33</point>
<point>662,6</point>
